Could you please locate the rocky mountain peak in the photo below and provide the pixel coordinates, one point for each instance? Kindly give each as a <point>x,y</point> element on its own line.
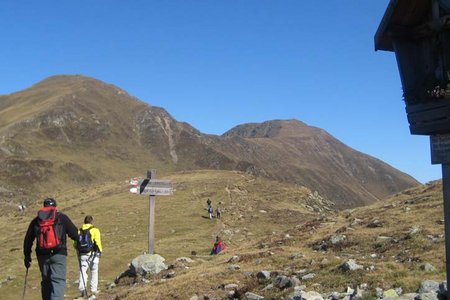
<point>271,129</point>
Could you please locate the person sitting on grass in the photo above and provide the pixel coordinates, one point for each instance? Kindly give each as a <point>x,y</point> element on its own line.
<point>219,246</point>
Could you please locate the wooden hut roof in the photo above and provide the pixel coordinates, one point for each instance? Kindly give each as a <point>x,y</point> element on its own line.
<point>401,15</point>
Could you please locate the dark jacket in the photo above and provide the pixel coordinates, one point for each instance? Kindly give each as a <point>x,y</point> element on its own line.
<point>67,226</point>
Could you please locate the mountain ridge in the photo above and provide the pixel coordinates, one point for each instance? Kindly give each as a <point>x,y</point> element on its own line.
<point>102,133</point>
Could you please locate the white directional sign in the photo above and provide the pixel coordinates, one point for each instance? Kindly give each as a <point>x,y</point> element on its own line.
<point>151,187</point>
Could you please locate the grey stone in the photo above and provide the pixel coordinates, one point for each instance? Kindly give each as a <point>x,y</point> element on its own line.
<point>399,290</point>
<point>185,259</point>
<point>283,282</point>
<point>334,296</point>
<point>147,264</point>
<point>171,274</point>
<point>311,296</point>
<point>295,281</point>
<point>351,265</point>
<point>428,286</point>
<point>231,286</point>
<point>375,223</point>
<point>408,296</point>
<point>356,222</point>
<point>427,267</point>
<point>296,295</point>
<point>263,275</point>
<point>427,296</point>
<point>233,259</point>
<point>234,267</point>
<point>338,238</point>
<point>253,296</point>
<point>379,293</point>
<point>390,294</point>
<point>308,276</point>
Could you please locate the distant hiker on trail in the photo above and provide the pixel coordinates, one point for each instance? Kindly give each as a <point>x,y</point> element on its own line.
<point>89,247</point>
<point>50,229</point>
<point>208,202</point>
<point>218,212</point>
<point>22,207</point>
<point>219,246</point>
<point>210,211</point>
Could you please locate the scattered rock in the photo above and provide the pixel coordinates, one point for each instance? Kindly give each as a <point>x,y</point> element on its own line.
<point>428,286</point>
<point>311,296</point>
<point>283,282</point>
<point>184,260</point>
<point>234,267</point>
<point>308,276</point>
<point>356,222</point>
<point>338,238</point>
<point>391,293</point>
<point>233,259</point>
<point>427,267</point>
<point>375,223</point>
<point>427,296</point>
<point>263,275</point>
<point>268,287</point>
<point>231,286</point>
<point>253,296</point>
<point>147,264</point>
<point>351,265</point>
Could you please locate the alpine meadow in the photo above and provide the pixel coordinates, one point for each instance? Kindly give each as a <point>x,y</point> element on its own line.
<point>303,215</point>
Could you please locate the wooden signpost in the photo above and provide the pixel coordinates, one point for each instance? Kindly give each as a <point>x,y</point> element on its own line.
<point>418,31</point>
<point>152,187</point>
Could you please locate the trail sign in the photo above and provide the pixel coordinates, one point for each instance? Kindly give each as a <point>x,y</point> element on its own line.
<point>153,187</point>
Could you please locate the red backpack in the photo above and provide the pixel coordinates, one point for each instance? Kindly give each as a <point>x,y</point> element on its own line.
<point>47,234</point>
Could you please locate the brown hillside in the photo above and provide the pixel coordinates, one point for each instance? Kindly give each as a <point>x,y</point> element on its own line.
<point>72,130</point>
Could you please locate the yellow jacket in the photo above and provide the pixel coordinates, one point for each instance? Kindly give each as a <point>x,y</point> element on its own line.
<point>95,235</point>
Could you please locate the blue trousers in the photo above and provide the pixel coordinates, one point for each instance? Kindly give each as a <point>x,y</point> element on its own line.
<point>53,272</point>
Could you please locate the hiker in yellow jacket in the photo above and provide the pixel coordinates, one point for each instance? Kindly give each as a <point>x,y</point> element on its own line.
<point>89,247</point>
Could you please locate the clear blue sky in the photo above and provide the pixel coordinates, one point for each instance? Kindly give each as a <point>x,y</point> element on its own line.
<point>219,63</point>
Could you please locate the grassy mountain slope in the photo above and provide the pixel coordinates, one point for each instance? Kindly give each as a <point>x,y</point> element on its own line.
<point>68,131</point>
<point>269,225</point>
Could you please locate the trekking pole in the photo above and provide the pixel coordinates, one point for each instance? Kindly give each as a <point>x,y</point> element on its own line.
<point>82,275</point>
<point>25,285</point>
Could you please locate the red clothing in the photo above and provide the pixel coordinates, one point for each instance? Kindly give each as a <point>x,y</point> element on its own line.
<point>218,247</point>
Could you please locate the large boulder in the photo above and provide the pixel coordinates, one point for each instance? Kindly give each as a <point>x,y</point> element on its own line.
<point>147,264</point>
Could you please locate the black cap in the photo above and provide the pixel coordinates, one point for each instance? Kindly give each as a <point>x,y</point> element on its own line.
<point>49,202</point>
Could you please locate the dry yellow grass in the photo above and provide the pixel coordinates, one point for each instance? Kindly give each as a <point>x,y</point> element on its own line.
<point>181,224</point>
<point>268,225</point>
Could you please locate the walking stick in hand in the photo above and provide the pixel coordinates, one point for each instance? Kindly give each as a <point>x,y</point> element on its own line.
<point>25,285</point>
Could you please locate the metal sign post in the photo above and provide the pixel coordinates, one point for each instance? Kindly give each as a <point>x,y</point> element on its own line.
<point>152,187</point>
<point>151,216</point>
<point>446,191</point>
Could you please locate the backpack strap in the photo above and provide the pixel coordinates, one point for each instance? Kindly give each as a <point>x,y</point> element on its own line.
<point>87,229</point>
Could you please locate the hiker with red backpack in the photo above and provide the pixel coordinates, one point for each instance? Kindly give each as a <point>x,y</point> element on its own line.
<point>50,230</point>
<point>89,248</point>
